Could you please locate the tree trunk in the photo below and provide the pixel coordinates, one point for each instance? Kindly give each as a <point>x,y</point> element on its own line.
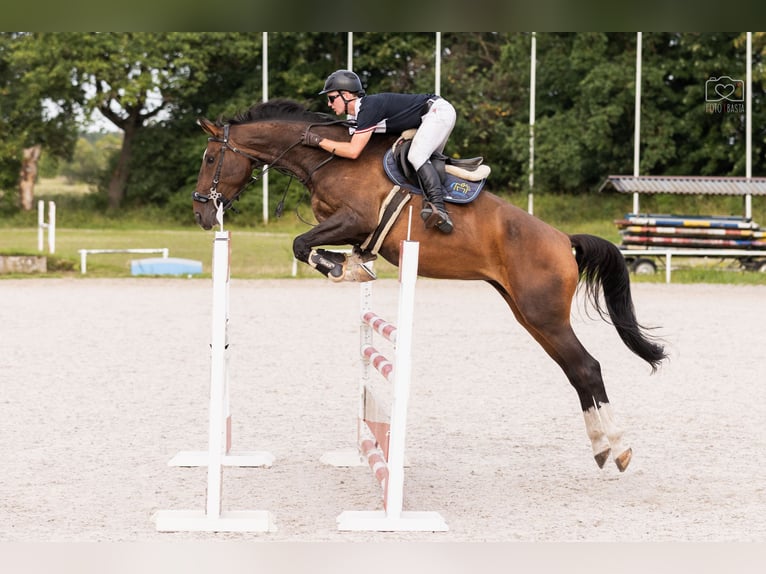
<point>28,176</point>
<point>119,180</point>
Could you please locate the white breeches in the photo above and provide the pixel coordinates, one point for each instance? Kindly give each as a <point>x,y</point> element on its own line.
<point>433,133</point>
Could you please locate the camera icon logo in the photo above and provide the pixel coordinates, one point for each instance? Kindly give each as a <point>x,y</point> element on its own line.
<point>724,88</point>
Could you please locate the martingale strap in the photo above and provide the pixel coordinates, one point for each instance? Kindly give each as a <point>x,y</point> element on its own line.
<point>389,211</point>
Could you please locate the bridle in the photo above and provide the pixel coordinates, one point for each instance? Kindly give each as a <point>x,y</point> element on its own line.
<point>218,199</point>
<point>213,194</point>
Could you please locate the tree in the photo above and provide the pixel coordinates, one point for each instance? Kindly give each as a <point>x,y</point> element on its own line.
<point>132,79</point>
<point>26,122</point>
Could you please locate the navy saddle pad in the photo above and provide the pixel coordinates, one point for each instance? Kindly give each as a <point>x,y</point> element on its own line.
<point>456,190</point>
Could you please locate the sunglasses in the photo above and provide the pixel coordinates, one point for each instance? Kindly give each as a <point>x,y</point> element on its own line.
<point>331,99</point>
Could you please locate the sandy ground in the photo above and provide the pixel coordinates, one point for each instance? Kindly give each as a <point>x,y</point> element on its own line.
<point>103,381</point>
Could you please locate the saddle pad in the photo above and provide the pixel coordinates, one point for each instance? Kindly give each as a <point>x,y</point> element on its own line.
<point>456,190</point>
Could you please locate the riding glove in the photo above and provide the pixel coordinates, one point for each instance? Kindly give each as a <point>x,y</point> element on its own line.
<point>310,139</point>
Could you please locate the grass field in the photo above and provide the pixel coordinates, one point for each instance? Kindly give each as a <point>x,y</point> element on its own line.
<point>265,250</point>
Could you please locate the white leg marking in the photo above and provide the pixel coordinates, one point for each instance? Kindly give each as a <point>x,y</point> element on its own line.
<point>613,432</point>
<point>595,431</point>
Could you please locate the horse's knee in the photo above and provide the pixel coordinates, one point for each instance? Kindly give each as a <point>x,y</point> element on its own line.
<point>301,249</point>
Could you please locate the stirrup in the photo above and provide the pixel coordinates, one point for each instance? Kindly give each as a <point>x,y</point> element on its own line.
<point>435,217</point>
<point>445,223</point>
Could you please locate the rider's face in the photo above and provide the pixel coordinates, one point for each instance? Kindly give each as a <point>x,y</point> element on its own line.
<point>335,101</point>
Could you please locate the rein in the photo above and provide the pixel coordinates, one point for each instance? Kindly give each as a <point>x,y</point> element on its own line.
<point>218,198</point>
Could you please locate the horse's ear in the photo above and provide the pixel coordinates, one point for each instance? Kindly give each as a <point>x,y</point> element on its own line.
<point>206,125</point>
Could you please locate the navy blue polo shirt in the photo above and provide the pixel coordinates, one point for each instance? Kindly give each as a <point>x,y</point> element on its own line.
<point>390,113</point>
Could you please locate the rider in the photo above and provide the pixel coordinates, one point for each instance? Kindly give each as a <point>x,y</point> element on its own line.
<point>394,113</point>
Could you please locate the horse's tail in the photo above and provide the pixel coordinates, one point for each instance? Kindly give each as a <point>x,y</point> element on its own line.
<point>601,264</point>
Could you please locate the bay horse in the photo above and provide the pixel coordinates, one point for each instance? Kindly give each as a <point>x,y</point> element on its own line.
<point>535,267</point>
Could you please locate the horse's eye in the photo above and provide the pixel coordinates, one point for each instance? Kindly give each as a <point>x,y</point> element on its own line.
<point>210,159</point>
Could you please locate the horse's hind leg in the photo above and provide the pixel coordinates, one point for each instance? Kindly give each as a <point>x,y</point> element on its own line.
<point>584,374</point>
<point>600,425</point>
<point>551,328</point>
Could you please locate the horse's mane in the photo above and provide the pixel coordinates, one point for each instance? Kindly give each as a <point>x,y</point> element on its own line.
<point>278,109</point>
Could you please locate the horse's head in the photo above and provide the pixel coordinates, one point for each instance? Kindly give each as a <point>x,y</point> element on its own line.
<point>223,175</point>
<point>268,133</point>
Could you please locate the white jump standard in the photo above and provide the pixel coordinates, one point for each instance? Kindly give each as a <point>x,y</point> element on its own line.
<point>50,226</point>
<point>384,452</point>
<point>213,518</point>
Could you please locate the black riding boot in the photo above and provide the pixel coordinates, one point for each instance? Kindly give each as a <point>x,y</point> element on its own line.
<point>433,212</point>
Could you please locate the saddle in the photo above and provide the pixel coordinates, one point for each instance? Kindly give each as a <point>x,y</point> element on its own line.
<point>462,179</point>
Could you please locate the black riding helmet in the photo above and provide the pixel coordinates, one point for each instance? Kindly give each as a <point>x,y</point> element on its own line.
<point>345,80</point>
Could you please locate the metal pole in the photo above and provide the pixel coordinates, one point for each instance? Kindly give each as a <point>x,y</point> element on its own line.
<point>265,174</point>
<point>637,133</point>
<point>749,124</point>
<point>532,83</point>
<point>350,54</point>
<point>438,66</point>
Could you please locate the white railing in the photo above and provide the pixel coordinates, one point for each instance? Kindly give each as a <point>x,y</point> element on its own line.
<point>85,252</point>
<point>669,252</point>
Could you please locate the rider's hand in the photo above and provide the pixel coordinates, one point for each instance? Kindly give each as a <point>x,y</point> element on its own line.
<point>310,139</point>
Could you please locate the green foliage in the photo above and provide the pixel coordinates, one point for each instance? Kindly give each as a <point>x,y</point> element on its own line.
<point>91,159</point>
<point>25,117</point>
<point>153,86</point>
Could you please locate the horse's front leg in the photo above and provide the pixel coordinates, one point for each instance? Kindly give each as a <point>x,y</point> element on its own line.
<point>339,229</point>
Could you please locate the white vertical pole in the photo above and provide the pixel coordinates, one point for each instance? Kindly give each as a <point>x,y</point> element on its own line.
<point>532,95</point>
<point>350,52</point>
<point>40,223</point>
<point>216,426</point>
<point>402,374</point>
<point>637,133</point>
<point>749,123</point>
<point>52,226</point>
<point>265,81</point>
<point>438,64</point>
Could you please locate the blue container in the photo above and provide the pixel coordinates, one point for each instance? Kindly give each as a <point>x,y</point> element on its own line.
<point>165,266</point>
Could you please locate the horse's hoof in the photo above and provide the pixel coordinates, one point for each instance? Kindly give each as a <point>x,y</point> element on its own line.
<point>602,457</point>
<point>623,460</point>
<point>360,273</point>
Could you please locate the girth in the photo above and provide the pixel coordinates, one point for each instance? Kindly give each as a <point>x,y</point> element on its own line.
<point>390,209</point>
